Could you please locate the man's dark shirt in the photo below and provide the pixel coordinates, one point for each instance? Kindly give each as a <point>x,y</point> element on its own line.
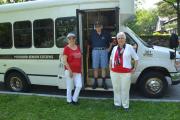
<point>102,40</point>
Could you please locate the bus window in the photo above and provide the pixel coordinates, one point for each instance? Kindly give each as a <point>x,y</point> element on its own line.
<point>63,27</point>
<point>5,35</point>
<point>22,34</point>
<point>43,33</point>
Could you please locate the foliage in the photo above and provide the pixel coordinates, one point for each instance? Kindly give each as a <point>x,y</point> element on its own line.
<point>161,34</point>
<point>172,2</point>
<point>2,2</point>
<point>172,25</point>
<point>165,9</point>
<point>144,21</point>
<point>176,5</point>
<point>159,39</point>
<point>138,3</point>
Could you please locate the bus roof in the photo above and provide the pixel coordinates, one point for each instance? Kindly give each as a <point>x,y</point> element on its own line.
<point>45,4</point>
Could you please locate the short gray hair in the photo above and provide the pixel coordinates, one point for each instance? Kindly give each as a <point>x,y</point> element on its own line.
<point>121,35</point>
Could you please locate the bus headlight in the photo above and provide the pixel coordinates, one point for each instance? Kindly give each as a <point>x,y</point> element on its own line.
<point>177,65</point>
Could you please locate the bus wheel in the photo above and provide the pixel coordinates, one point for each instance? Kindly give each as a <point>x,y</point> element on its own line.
<point>153,84</point>
<point>17,82</point>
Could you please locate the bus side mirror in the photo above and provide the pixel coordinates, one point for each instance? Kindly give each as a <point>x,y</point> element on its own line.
<point>172,55</point>
<point>173,43</point>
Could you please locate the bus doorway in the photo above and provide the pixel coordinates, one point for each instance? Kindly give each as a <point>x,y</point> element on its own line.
<point>86,19</point>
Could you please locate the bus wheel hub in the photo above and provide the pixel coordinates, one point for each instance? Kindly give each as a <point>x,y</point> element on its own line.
<point>154,85</point>
<point>16,83</point>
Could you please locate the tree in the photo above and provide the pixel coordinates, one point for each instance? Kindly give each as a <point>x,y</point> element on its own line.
<point>138,4</point>
<point>144,22</point>
<point>165,10</point>
<point>176,5</point>
<point>1,2</point>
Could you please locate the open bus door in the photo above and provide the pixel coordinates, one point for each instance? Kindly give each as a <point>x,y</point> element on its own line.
<point>85,25</point>
<point>80,36</point>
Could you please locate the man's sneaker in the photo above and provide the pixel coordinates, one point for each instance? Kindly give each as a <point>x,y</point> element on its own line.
<point>104,86</point>
<point>95,85</point>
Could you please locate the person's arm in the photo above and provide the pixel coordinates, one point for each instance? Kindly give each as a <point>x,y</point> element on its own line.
<point>110,47</point>
<point>135,57</point>
<point>67,65</point>
<point>110,64</point>
<point>110,61</point>
<point>110,42</point>
<point>135,66</point>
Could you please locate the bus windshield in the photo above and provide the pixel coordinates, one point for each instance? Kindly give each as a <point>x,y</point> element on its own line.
<point>142,41</point>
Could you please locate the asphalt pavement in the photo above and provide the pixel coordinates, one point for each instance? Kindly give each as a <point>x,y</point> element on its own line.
<point>172,94</point>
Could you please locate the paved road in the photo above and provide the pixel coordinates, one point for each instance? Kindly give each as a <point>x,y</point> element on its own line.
<point>173,93</point>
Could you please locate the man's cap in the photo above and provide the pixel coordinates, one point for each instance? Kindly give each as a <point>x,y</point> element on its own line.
<point>98,23</point>
<point>71,35</point>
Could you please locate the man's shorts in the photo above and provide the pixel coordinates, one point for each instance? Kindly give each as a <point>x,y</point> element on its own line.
<point>99,58</point>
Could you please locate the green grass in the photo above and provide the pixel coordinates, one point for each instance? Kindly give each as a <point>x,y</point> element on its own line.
<point>19,107</point>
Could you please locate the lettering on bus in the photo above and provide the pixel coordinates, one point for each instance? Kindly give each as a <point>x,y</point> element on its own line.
<point>37,56</point>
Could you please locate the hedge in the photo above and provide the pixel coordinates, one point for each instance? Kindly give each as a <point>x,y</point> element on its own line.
<point>159,40</point>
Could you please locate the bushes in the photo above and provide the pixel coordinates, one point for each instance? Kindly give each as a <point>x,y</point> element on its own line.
<point>160,40</point>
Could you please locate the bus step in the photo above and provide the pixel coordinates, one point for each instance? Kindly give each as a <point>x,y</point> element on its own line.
<point>98,89</point>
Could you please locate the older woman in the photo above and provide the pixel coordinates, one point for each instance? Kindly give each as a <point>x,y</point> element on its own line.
<point>72,61</point>
<point>121,70</point>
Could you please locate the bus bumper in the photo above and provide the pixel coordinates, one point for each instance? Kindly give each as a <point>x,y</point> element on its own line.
<point>175,77</point>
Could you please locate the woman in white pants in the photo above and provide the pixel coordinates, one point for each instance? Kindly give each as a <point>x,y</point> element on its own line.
<point>72,61</point>
<point>121,70</point>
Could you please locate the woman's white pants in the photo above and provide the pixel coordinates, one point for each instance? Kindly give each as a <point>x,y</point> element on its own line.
<point>121,85</point>
<point>75,81</point>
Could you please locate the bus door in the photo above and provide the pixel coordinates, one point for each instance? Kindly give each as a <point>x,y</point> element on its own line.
<point>80,40</point>
<point>85,25</point>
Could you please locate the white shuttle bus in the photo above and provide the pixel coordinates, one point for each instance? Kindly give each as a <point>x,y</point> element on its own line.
<point>33,34</point>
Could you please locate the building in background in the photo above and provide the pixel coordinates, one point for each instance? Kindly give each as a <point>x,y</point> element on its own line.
<point>166,25</point>
<point>171,25</point>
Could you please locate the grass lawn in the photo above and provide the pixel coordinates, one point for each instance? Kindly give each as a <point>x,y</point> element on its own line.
<point>19,107</point>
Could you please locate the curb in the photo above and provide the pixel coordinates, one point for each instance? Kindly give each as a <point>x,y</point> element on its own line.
<point>90,98</point>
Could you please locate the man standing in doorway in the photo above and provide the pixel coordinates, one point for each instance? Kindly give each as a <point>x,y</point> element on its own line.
<point>100,43</point>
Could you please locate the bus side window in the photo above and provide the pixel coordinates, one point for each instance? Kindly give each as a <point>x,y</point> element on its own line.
<point>130,40</point>
<point>43,33</point>
<point>23,34</point>
<point>63,26</point>
<point>5,35</point>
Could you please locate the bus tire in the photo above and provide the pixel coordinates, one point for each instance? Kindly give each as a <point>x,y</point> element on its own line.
<point>16,82</point>
<point>153,84</point>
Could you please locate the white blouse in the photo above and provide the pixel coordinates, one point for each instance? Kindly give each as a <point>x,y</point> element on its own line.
<point>128,54</point>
